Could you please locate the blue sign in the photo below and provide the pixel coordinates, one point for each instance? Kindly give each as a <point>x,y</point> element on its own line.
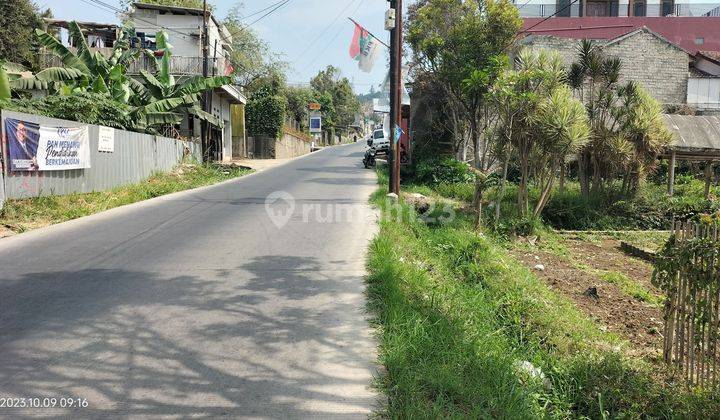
<point>315,124</point>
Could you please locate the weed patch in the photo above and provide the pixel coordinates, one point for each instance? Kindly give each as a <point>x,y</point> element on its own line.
<point>30,213</point>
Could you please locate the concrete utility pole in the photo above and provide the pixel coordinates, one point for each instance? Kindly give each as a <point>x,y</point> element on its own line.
<point>396,40</point>
<point>204,129</point>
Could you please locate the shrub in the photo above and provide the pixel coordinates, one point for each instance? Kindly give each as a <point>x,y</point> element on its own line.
<point>85,107</point>
<point>443,170</point>
<point>265,115</point>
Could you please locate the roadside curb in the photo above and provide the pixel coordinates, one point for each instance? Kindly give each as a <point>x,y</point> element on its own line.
<point>8,241</point>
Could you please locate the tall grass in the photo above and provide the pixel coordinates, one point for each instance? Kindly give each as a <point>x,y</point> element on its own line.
<point>25,214</point>
<point>457,316</point>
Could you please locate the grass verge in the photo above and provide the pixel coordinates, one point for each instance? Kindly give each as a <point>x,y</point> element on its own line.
<point>465,331</point>
<point>31,213</point>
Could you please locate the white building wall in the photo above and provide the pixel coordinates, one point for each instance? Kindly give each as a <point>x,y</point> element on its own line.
<point>184,30</point>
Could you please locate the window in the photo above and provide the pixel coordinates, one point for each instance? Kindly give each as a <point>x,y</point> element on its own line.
<point>699,41</point>
<point>563,8</point>
<point>667,7</point>
<point>639,8</point>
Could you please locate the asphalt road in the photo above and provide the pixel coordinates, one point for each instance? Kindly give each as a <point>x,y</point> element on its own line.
<point>200,303</point>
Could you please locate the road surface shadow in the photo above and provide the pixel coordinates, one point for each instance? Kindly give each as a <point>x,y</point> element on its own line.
<point>276,337</point>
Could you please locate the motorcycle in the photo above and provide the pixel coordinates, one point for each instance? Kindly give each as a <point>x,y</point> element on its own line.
<point>369,158</point>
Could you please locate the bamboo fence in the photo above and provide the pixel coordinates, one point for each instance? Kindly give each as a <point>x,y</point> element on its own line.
<point>691,310</point>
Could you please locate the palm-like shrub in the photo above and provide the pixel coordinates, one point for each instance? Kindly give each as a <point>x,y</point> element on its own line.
<point>627,130</point>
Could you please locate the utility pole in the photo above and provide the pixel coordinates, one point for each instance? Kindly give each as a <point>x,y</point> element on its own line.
<point>204,129</point>
<point>396,88</point>
<point>395,93</point>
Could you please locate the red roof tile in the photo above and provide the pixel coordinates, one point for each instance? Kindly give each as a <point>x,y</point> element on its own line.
<point>682,31</point>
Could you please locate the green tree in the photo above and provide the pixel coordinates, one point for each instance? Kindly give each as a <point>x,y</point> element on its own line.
<point>18,20</point>
<point>539,121</point>
<point>251,56</point>
<point>461,45</point>
<point>298,99</point>
<point>627,130</point>
<point>334,92</point>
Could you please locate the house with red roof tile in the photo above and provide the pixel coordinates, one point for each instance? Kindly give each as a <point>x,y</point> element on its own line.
<point>676,58</point>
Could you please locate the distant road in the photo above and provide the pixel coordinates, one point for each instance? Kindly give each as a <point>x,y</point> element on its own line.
<point>197,304</point>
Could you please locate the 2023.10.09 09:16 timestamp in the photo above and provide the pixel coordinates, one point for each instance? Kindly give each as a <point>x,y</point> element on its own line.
<point>43,402</point>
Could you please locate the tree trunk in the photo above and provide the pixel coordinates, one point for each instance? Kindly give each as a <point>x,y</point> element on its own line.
<point>522,188</point>
<point>478,202</point>
<point>583,171</point>
<point>545,196</point>
<point>596,178</point>
<point>501,193</point>
<point>477,153</point>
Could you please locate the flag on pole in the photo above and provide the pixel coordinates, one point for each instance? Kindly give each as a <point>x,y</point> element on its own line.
<point>398,133</point>
<point>364,49</point>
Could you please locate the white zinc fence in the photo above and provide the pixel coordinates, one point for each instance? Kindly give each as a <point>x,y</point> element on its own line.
<point>135,157</point>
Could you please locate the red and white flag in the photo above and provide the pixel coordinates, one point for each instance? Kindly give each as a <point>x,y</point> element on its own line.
<point>364,48</point>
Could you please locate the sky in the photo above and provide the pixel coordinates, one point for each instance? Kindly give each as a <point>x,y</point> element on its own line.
<point>309,34</point>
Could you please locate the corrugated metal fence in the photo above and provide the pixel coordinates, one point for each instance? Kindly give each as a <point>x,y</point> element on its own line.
<point>136,157</point>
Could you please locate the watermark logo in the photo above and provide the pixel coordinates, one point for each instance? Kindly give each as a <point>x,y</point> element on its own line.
<point>280,206</point>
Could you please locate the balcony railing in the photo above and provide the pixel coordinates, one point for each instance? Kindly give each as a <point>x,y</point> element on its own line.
<point>678,9</point>
<point>181,66</point>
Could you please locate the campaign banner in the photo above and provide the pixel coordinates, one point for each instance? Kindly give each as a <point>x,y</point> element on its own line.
<point>33,147</point>
<point>62,148</point>
<point>22,142</point>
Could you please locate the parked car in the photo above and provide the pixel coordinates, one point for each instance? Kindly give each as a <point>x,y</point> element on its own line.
<point>379,141</point>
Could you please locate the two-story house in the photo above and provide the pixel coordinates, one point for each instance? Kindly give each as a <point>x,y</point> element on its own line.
<point>616,8</point>
<point>669,47</point>
<point>185,28</point>
<point>184,25</point>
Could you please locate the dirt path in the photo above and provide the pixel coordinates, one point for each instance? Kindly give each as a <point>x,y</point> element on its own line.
<point>639,322</point>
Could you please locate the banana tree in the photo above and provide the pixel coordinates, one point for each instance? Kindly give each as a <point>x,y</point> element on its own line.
<point>161,100</point>
<point>21,78</point>
<point>99,74</point>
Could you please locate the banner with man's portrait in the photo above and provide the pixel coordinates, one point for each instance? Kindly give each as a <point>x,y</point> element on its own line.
<point>22,141</point>
<point>40,148</point>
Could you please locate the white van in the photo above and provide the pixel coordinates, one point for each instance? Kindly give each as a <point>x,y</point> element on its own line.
<point>379,140</point>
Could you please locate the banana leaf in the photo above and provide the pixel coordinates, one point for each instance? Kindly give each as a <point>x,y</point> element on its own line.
<point>170,104</point>
<point>29,83</point>
<point>4,84</point>
<point>198,84</point>
<point>66,56</point>
<point>155,118</point>
<point>142,95</point>
<point>120,91</point>
<point>164,74</point>
<point>16,68</point>
<point>156,88</point>
<point>80,42</point>
<point>58,74</point>
<point>195,110</point>
<point>99,86</point>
